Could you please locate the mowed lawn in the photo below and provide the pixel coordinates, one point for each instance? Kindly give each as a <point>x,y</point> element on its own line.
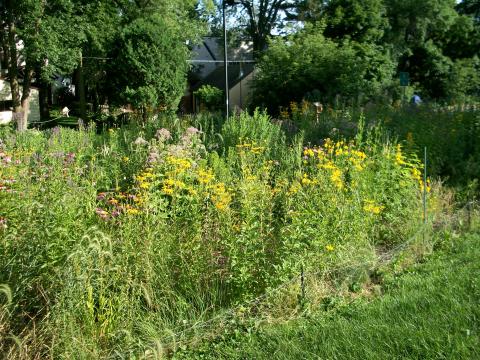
<point>431,311</point>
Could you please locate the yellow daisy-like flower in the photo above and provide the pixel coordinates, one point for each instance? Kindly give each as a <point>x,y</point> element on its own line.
<point>372,208</point>
<point>133,211</point>
<point>329,247</point>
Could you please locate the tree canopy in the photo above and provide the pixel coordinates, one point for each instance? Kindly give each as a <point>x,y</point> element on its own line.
<point>369,42</point>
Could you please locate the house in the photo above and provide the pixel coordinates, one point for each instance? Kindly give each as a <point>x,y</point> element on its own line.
<point>208,69</point>
<point>6,108</point>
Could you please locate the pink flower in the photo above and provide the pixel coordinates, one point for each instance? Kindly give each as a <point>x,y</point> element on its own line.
<point>163,134</point>
<point>192,131</point>
<point>102,213</point>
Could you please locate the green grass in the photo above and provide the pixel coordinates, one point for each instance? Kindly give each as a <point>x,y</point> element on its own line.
<point>431,311</point>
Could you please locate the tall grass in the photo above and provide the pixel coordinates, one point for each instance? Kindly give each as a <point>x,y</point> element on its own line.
<point>112,242</point>
<point>450,133</point>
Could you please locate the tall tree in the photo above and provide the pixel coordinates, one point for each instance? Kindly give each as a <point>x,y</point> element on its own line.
<point>470,7</point>
<point>260,18</point>
<point>358,20</point>
<point>41,39</point>
<point>150,60</point>
<point>309,64</point>
<point>422,33</point>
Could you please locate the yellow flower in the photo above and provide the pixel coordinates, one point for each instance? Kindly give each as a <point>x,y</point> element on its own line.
<point>294,188</point>
<point>372,208</point>
<point>125,159</point>
<point>133,211</point>
<point>167,190</point>
<point>329,247</point>
<point>180,165</point>
<point>257,150</point>
<point>416,174</point>
<point>144,185</point>
<point>205,176</point>
<point>428,189</point>
<point>220,196</point>
<point>399,159</point>
<point>306,181</point>
<point>191,191</point>
<point>309,152</point>
<point>336,178</point>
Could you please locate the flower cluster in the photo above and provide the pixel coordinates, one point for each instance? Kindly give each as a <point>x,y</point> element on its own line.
<point>371,207</point>
<point>114,204</point>
<point>220,196</point>
<point>5,159</point>
<point>144,180</point>
<point>336,158</point>
<point>3,222</point>
<point>251,147</point>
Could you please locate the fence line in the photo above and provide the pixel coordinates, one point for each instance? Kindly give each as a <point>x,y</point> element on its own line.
<point>382,259</point>
<point>224,314</point>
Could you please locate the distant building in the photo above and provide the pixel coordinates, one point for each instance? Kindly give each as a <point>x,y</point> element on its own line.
<point>6,110</point>
<point>6,104</point>
<point>208,69</point>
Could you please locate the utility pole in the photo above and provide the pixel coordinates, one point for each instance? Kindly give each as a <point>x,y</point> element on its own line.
<point>225,48</point>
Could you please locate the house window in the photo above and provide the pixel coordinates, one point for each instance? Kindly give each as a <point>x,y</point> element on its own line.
<point>6,105</point>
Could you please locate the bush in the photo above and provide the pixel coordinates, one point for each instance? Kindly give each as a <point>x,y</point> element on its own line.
<point>210,97</point>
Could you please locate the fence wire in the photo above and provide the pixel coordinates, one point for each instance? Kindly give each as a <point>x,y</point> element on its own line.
<point>181,338</point>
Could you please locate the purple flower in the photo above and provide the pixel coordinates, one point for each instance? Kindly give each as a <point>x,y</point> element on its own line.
<point>163,134</point>
<point>192,131</point>
<point>115,213</point>
<point>102,213</point>
<point>140,141</point>
<point>153,157</point>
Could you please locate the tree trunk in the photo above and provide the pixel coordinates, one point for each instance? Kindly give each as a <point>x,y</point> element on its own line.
<point>22,122</point>
<point>81,90</point>
<point>13,67</point>
<point>43,96</point>
<point>43,101</point>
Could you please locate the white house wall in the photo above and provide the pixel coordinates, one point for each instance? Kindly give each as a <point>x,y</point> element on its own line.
<point>34,110</point>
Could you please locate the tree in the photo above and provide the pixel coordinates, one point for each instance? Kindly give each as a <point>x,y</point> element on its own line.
<point>260,18</point>
<point>428,37</point>
<point>308,62</point>
<point>470,7</point>
<point>359,20</point>
<point>39,39</point>
<point>150,60</point>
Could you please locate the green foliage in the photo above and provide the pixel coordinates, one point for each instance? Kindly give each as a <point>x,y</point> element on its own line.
<point>364,21</point>
<point>310,62</point>
<point>210,96</point>
<point>373,40</point>
<point>151,64</point>
<point>464,80</point>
